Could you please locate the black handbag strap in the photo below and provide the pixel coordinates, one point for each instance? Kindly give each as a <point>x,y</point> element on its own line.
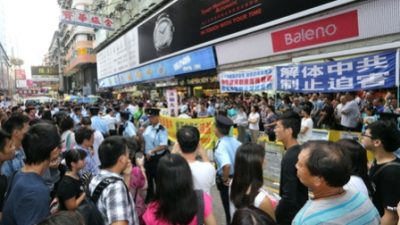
<point>384,166</point>
<point>200,209</point>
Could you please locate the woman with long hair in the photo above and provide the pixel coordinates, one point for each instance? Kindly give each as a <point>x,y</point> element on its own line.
<point>252,216</point>
<point>247,183</point>
<point>359,180</point>
<point>175,200</point>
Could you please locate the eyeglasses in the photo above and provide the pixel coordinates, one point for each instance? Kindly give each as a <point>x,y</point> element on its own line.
<point>366,135</point>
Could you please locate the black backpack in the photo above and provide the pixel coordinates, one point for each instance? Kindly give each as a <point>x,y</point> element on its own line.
<point>88,208</point>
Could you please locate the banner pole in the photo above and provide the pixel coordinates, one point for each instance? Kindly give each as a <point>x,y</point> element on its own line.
<point>397,74</point>
<point>397,66</point>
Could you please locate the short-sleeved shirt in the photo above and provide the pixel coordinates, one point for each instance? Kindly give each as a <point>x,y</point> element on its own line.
<point>99,124</point>
<point>28,202</point>
<point>351,118</point>
<point>91,165</point>
<point>203,174</point>
<point>349,208</point>
<point>67,189</point>
<point>149,216</point>
<point>387,186</point>
<point>15,164</point>
<point>113,202</point>
<point>225,152</point>
<point>155,136</point>
<point>129,129</point>
<point>306,122</point>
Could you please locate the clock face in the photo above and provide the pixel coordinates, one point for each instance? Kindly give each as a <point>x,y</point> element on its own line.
<point>163,33</point>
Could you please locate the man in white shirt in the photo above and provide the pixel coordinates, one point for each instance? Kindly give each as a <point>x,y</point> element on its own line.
<point>111,121</point>
<point>350,113</point>
<point>203,172</point>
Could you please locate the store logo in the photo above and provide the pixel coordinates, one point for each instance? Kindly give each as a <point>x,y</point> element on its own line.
<point>330,29</point>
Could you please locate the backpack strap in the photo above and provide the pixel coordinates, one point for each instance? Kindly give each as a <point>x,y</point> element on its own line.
<point>384,166</point>
<point>103,184</point>
<point>200,209</point>
<point>68,142</point>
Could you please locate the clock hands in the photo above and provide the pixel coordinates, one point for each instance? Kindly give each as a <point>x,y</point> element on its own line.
<point>164,28</point>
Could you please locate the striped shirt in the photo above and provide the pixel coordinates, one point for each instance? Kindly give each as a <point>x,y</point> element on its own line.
<point>350,208</point>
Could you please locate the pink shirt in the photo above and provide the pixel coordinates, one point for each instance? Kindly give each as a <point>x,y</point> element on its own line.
<point>149,216</point>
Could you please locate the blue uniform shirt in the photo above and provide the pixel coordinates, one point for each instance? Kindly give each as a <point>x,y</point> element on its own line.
<point>99,124</point>
<point>154,136</point>
<point>129,129</point>
<point>225,153</point>
<point>15,164</point>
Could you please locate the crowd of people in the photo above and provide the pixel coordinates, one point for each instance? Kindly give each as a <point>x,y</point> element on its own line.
<point>112,163</point>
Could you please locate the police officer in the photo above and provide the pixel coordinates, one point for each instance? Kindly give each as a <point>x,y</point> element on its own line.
<point>97,122</point>
<point>155,138</point>
<point>224,155</point>
<point>128,129</point>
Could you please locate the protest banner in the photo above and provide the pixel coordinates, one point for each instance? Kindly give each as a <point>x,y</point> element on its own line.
<point>205,126</point>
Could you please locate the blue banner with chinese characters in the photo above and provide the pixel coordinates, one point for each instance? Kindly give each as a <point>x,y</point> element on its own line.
<point>361,73</point>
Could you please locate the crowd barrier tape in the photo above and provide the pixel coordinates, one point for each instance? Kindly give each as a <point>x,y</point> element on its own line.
<point>205,126</point>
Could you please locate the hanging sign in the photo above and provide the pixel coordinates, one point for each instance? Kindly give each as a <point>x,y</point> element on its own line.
<point>86,19</point>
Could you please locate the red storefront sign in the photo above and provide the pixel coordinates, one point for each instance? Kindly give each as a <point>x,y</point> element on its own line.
<point>317,32</point>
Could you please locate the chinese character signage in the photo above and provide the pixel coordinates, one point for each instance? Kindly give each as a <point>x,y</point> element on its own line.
<point>198,60</point>
<point>86,19</point>
<point>172,101</point>
<point>44,70</point>
<point>187,23</point>
<point>251,80</point>
<point>361,73</point>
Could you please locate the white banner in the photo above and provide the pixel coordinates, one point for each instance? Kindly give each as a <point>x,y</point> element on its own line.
<point>252,80</point>
<point>172,101</point>
<point>54,78</point>
<point>21,84</point>
<point>119,56</point>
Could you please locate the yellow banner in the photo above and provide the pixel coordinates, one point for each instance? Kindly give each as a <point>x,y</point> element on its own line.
<point>205,126</point>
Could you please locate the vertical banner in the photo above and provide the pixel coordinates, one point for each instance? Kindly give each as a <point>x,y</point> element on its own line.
<point>369,72</point>
<point>205,126</point>
<point>260,79</point>
<point>172,101</point>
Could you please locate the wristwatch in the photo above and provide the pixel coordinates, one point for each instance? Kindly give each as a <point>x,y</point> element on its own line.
<point>163,32</point>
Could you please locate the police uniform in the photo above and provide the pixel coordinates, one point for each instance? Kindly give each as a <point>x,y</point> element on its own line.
<point>97,122</point>
<point>128,129</point>
<point>153,136</point>
<point>224,154</point>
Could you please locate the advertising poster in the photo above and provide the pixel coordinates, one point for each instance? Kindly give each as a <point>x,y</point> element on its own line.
<point>187,23</point>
